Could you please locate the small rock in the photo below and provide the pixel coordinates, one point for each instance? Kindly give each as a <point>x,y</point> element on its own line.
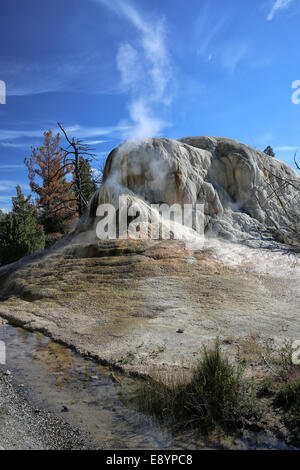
<point>180,330</point>
<point>227,341</point>
<point>7,372</point>
<point>64,409</point>
<point>94,377</point>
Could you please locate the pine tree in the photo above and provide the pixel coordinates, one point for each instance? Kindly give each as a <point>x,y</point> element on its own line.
<point>55,201</point>
<point>20,234</point>
<point>269,151</point>
<point>88,182</point>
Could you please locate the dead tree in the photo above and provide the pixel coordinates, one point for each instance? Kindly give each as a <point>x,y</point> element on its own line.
<point>289,231</point>
<point>296,163</point>
<point>73,153</point>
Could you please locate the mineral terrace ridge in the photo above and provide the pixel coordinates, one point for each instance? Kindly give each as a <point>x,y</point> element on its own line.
<point>150,305</point>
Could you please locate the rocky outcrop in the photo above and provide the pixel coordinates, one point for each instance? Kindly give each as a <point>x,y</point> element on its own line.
<point>246,193</point>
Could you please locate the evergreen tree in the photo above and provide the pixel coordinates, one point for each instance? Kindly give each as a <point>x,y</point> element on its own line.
<point>269,151</point>
<point>56,203</point>
<point>88,182</point>
<point>20,234</point>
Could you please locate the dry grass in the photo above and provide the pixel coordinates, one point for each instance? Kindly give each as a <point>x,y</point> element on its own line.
<point>214,395</point>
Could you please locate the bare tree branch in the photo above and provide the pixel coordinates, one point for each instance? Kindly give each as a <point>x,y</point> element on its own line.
<point>77,149</point>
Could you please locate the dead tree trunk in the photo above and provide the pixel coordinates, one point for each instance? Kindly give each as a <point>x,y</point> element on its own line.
<point>73,152</point>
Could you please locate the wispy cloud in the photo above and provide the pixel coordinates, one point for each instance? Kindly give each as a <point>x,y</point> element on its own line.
<point>72,74</point>
<point>277,6</point>
<point>207,29</point>
<point>146,71</point>
<point>10,167</point>
<point>96,142</point>
<point>24,78</point>
<point>211,35</point>
<point>265,138</point>
<point>88,132</point>
<point>232,55</point>
<point>16,145</point>
<point>6,185</point>
<point>287,148</point>
<point>9,136</point>
<point>220,43</point>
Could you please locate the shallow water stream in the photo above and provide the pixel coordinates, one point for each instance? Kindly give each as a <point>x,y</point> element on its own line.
<point>55,378</point>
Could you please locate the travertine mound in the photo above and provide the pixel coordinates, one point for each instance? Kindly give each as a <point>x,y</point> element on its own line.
<point>245,191</point>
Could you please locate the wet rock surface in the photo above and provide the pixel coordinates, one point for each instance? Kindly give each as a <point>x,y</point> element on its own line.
<point>125,305</point>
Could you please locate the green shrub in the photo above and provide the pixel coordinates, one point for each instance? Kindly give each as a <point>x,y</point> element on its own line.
<point>214,395</point>
<point>20,234</point>
<point>288,394</point>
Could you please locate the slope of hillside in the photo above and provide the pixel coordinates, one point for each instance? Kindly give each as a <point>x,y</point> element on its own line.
<point>126,301</point>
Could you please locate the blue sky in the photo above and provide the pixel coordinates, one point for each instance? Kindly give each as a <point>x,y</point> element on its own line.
<point>117,69</point>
